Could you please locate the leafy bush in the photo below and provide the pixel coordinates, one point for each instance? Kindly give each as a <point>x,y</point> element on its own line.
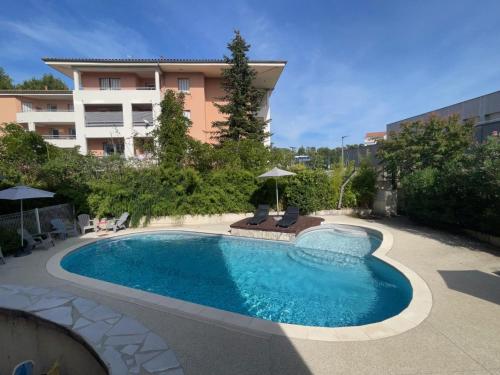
<point>464,193</point>
<point>9,241</point>
<point>419,145</point>
<point>420,191</point>
<point>364,185</point>
<point>310,190</point>
<point>211,180</point>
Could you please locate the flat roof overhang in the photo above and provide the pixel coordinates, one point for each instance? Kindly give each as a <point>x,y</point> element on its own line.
<point>268,72</point>
<point>38,94</point>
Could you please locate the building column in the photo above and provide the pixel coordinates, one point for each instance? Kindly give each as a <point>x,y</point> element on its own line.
<point>128,130</point>
<point>80,129</point>
<point>157,80</point>
<point>267,142</point>
<point>76,80</point>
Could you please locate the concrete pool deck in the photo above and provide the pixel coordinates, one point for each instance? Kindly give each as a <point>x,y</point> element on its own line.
<point>460,336</point>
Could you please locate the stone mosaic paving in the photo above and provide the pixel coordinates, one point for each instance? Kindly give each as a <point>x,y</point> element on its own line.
<point>124,344</point>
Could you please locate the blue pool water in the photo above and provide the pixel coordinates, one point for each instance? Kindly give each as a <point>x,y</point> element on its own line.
<point>328,278</point>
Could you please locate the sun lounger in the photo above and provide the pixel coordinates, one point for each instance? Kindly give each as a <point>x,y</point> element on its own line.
<point>62,230</point>
<point>260,215</point>
<point>120,223</point>
<point>86,223</point>
<point>289,218</point>
<point>41,239</point>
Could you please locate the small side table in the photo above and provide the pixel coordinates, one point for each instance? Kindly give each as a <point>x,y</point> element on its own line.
<point>102,224</point>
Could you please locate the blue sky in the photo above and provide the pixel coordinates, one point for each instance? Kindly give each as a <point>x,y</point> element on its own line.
<point>353,66</point>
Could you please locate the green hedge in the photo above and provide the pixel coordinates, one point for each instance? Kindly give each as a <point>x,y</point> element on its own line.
<point>211,180</point>
<point>310,190</point>
<point>155,191</point>
<point>464,193</point>
<point>9,241</point>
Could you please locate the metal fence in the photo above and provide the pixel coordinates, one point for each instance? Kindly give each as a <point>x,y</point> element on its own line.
<point>356,154</point>
<point>38,220</point>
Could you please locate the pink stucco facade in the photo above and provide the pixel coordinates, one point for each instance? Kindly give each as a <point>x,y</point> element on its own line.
<point>199,101</point>
<point>9,106</point>
<point>203,93</point>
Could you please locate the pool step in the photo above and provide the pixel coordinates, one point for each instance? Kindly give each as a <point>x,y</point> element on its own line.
<point>315,257</point>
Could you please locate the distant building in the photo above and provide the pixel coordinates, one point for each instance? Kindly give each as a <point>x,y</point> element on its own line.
<point>484,111</point>
<point>302,159</point>
<point>372,138</point>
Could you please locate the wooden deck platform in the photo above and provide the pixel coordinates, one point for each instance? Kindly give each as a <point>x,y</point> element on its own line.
<point>269,225</point>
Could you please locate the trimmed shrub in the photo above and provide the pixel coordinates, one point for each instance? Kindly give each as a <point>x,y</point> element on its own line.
<point>310,190</point>
<point>464,193</point>
<point>364,185</point>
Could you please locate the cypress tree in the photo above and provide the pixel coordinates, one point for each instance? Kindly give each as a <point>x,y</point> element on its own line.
<point>241,100</point>
<point>171,135</point>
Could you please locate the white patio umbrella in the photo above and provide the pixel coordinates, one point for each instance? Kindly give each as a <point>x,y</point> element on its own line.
<point>276,172</point>
<point>23,192</point>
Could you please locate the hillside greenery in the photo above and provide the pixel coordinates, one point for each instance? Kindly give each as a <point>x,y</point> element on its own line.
<point>46,82</point>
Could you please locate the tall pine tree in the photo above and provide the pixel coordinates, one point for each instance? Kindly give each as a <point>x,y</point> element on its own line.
<point>5,80</point>
<point>242,99</point>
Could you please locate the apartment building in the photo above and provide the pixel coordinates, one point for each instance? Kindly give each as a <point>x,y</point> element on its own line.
<point>115,102</point>
<point>483,110</point>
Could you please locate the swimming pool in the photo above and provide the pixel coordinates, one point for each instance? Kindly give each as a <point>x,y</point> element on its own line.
<point>328,278</point>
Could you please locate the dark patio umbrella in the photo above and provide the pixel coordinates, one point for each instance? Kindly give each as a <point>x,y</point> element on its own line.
<point>23,192</point>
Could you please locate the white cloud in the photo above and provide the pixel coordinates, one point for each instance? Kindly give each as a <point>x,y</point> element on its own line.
<point>49,36</point>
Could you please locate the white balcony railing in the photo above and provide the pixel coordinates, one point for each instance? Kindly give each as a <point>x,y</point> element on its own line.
<point>59,136</point>
<point>118,89</point>
<point>25,110</point>
<point>46,117</point>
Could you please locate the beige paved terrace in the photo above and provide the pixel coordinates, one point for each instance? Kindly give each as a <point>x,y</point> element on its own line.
<point>460,336</point>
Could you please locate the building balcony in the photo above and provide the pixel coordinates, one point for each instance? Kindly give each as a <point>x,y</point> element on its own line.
<point>98,119</point>
<point>133,95</point>
<point>148,88</point>
<point>52,136</point>
<point>63,141</point>
<point>46,117</point>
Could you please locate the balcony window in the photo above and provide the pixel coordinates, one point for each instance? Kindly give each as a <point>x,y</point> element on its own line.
<point>51,108</point>
<point>72,132</point>
<point>70,107</point>
<point>112,148</point>
<point>109,83</point>
<point>103,115</point>
<point>183,84</point>
<point>54,133</point>
<point>142,114</point>
<point>27,107</point>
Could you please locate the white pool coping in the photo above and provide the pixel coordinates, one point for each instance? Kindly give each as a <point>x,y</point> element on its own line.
<point>414,314</point>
